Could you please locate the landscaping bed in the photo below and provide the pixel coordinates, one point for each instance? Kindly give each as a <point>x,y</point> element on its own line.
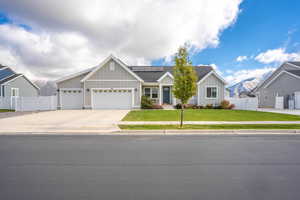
<point>208,127</point>
<point>207,115</point>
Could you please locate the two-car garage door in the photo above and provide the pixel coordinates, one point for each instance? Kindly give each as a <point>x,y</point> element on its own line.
<point>112,98</point>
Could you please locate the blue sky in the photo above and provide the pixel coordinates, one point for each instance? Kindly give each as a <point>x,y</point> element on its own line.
<point>262,33</point>
<point>261,25</point>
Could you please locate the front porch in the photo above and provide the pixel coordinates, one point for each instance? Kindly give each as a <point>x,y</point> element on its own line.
<point>160,94</point>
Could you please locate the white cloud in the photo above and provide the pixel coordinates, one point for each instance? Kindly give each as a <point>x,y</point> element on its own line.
<point>216,68</point>
<point>74,34</point>
<point>241,58</point>
<point>237,76</point>
<point>277,56</point>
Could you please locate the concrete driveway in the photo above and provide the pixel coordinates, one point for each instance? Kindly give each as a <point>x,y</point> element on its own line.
<point>63,121</point>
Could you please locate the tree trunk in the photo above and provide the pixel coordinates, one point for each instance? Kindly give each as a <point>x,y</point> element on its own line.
<point>181,116</point>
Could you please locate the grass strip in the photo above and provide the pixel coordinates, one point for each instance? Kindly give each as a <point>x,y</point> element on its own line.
<point>204,127</point>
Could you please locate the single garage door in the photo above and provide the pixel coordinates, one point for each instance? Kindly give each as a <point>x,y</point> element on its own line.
<point>71,98</point>
<point>112,98</point>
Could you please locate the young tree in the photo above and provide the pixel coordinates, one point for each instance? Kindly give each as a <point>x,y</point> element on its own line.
<point>184,79</point>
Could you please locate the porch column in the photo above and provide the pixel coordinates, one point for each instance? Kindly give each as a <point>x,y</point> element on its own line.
<point>160,94</point>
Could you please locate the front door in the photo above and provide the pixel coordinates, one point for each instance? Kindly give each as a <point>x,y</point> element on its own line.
<point>166,95</point>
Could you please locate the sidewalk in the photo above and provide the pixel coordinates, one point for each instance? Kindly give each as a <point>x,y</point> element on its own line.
<point>204,122</point>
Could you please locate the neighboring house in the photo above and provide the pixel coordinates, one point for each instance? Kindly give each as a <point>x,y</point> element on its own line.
<point>114,85</point>
<point>14,85</point>
<point>227,93</point>
<point>284,81</point>
<point>246,94</point>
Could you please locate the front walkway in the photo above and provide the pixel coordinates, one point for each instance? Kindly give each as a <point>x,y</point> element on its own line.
<point>204,122</point>
<point>285,111</point>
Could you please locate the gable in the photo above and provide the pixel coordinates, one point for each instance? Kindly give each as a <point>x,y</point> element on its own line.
<point>167,80</point>
<point>212,79</point>
<point>283,80</point>
<point>117,72</point>
<point>283,67</point>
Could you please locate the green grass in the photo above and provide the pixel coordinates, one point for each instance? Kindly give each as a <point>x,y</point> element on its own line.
<point>207,115</point>
<point>205,127</point>
<point>6,110</point>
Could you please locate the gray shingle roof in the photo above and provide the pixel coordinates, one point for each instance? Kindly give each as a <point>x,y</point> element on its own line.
<point>295,72</point>
<point>295,63</point>
<point>153,73</point>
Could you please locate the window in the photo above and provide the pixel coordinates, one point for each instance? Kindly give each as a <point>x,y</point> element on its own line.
<point>14,92</point>
<point>154,93</point>
<point>147,92</point>
<point>151,92</point>
<point>112,66</point>
<point>211,92</point>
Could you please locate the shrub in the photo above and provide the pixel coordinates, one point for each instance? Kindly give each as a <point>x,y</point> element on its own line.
<point>156,106</point>
<point>190,106</point>
<point>146,103</point>
<point>231,106</point>
<point>177,106</point>
<point>217,107</point>
<point>209,106</point>
<point>225,104</point>
<point>201,107</point>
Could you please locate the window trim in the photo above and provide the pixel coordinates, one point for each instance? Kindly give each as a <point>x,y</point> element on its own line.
<point>151,92</point>
<point>17,92</point>
<point>217,91</point>
<point>112,66</point>
<point>2,90</point>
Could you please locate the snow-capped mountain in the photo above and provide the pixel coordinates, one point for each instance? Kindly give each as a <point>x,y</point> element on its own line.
<point>247,85</point>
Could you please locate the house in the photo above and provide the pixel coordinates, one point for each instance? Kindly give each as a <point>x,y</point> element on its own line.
<point>16,85</point>
<point>115,85</point>
<point>283,82</point>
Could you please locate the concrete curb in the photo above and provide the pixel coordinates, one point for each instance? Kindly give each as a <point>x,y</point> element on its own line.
<point>164,132</point>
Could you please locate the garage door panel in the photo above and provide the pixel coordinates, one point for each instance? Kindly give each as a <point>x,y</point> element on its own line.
<point>112,99</point>
<point>71,99</point>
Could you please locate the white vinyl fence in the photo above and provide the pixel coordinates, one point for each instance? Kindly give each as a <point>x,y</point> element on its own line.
<point>29,103</point>
<point>279,102</point>
<point>244,103</point>
<point>5,103</point>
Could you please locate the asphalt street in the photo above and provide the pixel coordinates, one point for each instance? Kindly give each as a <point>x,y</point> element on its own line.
<point>149,167</point>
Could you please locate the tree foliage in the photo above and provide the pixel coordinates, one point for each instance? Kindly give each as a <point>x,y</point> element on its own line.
<point>184,79</point>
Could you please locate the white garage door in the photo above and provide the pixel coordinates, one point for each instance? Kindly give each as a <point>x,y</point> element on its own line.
<point>112,98</point>
<point>71,98</point>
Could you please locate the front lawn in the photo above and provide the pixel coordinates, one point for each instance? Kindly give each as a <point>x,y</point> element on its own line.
<point>207,115</point>
<point>206,127</point>
<point>6,110</point>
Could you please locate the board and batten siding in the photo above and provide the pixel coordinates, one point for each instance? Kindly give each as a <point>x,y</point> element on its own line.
<point>211,80</point>
<point>283,85</point>
<point>119,73</point>
<point>26,89</point>
<point>285,66</point>
<point>116,78</point>
<point>166,80</point>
